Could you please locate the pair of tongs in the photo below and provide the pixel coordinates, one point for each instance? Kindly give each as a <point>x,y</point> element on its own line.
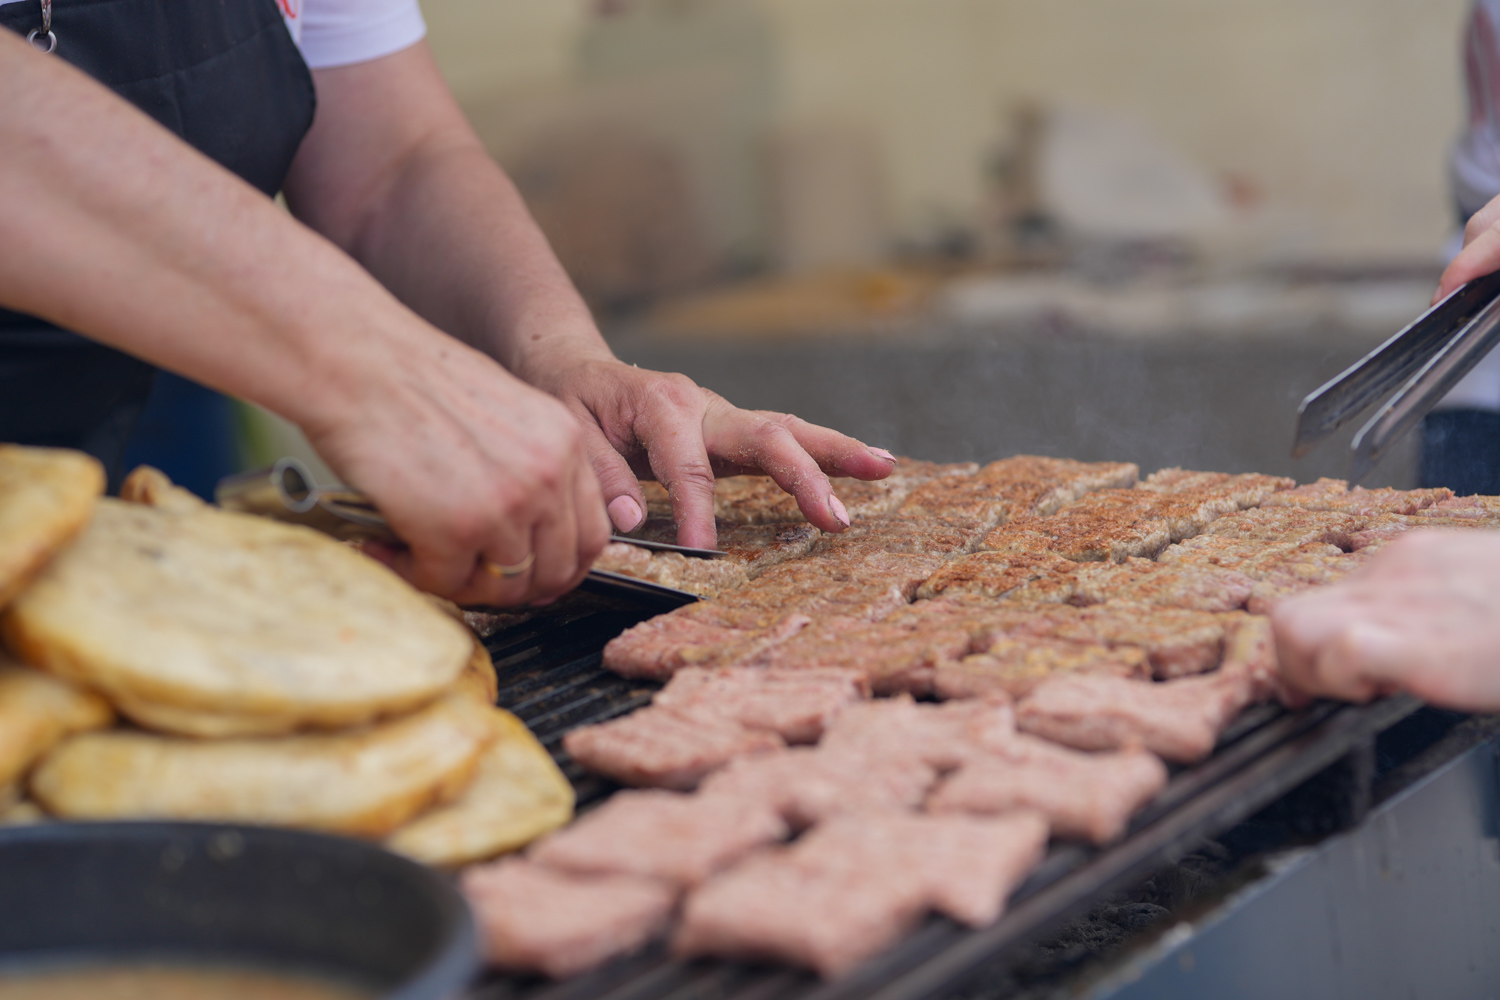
<point>1412,372</point>
<point>286,491</point>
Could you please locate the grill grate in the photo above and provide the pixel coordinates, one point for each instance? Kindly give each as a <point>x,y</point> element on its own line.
<point>553,678</point>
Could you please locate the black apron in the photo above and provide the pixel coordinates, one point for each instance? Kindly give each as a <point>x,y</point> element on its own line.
<point>225,76</point>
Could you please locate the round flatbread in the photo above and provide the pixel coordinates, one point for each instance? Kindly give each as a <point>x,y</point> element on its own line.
<point>46,497</point>
<point>36,711</point>
<point>517,795</point>
<point>211,614</point>
<point>365,782</point>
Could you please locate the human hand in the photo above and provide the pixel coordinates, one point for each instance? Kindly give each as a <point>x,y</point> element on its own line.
<point>1481,252</point>
<point>474,470</point>
<point>644,424</point>
<point>1423,617</point>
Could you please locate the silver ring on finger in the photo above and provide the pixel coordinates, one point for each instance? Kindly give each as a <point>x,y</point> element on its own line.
<point>507,572</point>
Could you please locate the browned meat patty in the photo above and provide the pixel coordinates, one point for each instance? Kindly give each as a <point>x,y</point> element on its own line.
<point>658,647</point>
<point>893,657</point>
<point>681,839</point>
<point>1336,495</point>
<point>1142,581</point>
<point>967,865</point>
<point>535,919</point>
<point>773,907</point>
<point>1016,665</point>
<point>1247,490</point>
<point>998,575</point>
<point>1179,720</point>
<point>941,736</point>
<point>796,704</point>
<point>809,785</point>
<point>1086,796</point>
<point>665,747</point>
<point>1289,524</point>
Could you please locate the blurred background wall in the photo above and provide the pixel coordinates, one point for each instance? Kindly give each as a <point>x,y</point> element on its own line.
<point>1140,229</point>
<point>1337,113</point>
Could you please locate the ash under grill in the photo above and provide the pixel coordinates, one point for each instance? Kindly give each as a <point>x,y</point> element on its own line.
<point>552,677</point>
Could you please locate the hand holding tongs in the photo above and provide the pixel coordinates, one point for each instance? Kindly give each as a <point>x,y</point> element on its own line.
<point>286,492</point>
<point>1421,364</point>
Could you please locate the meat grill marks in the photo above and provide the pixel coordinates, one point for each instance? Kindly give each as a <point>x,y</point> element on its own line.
<point>1082,795</point>
<point>816,903</point>
<point>536,919</point>
<point>1142,581</point>
<point>1247,489</point>
<point>996,575</point>
<point>1289,525</point>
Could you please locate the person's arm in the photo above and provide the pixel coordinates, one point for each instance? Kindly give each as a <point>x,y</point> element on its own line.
<point>1423,617</point>
<point>111,226</point>
<point>394,175</point>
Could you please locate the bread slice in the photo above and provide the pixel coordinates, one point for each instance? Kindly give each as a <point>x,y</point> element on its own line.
<point>36,711</point>
<point>517,795</point>
<point>181,616</point>
<point>364,782</point>
<point>46,497</point>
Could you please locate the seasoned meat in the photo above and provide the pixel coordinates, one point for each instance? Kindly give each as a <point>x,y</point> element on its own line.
<point>893,657</point>
<point>796,704</point>
<point>1289,524</point>
<point>758,547</point>
<point>1300,569</point>
<point>775,907</point>
<point>1087,796</point>
<point>535,919</point>
<point>1336,495</point>
<point>926,536</point>
<point>660,646</point>
<point>665,747</point>
<point>681,839</point>
<point>1247,490</point>
<point>1035,486</point>
<point>1142,581</point>
<point>1017,665</point>
<point>810,785</point>
<point>1475,508</point>
<point>968,502</point>
<point>998,575</point>
<point>940,736</point>
<point>1179,720</point>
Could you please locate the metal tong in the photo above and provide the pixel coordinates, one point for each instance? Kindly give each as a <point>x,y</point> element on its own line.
<point>286,491</point>
<point>1416,368</point>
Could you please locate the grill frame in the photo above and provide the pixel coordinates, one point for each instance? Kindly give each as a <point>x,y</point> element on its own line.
<point>552,677</point>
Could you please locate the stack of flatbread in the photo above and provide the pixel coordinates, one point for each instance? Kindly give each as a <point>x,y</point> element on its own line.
<point>171,660</point>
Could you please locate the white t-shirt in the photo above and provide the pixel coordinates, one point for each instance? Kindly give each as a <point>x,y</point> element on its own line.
<point>341,32</point>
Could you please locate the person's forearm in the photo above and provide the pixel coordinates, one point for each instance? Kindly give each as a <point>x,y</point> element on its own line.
<point>437,222</point>
<point>111,226</point>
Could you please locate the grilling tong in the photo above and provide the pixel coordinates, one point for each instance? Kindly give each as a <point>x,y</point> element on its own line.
<point>1412,371</point>
<point>286,492</point>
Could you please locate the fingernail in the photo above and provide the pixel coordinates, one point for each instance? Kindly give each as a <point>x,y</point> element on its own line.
<point>625,513</point>
<point>836,507</point>
<point>882,454</point>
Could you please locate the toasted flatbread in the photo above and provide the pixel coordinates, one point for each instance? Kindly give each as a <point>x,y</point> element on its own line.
<point>46,497</point>
<point>364,782</point>
<point>517,795</point>
<point>36,711</point>
<point>208,612</point>
<point>153,488</point>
